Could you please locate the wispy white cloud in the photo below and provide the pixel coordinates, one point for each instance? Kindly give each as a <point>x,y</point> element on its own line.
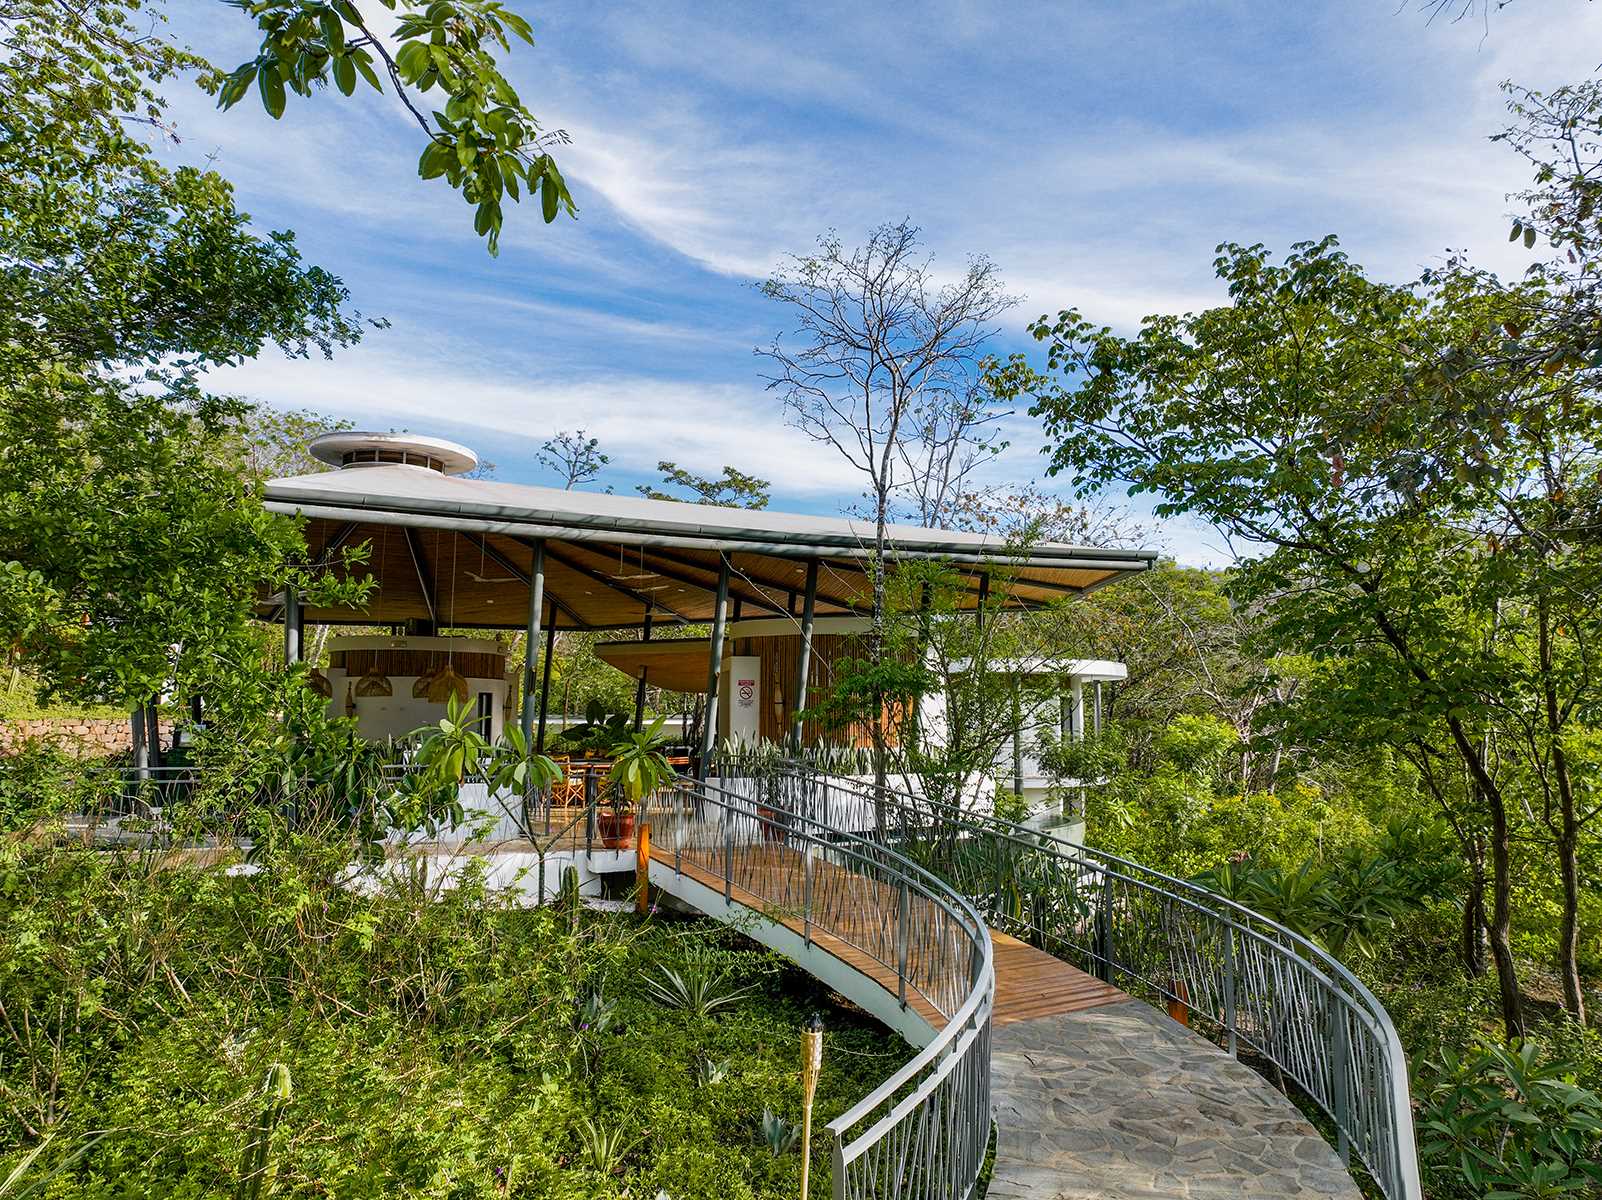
<point>639,419</point>
<point>1097,152</point>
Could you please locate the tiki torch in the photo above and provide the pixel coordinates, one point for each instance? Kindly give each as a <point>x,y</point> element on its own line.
<point>811,1068</point>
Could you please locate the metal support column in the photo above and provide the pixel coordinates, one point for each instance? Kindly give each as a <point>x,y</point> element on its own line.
<point>714,671</point>
<point>1017,736</point>
<point>153,732</point>
<point>292,625</point>
<point>141,747</point>
<point>545,682</point>
<point>804,660</point>
<point>639,688</point>
<point>536,604</point>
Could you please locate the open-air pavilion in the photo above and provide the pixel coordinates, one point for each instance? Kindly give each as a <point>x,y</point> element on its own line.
<point>451,551</point>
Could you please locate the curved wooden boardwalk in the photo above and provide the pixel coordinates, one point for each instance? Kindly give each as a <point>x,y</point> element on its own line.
<point>1096,1095</point>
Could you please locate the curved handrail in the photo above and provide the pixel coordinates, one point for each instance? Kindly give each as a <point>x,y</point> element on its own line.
<point>924,1131</point>
<point>1255,981</point>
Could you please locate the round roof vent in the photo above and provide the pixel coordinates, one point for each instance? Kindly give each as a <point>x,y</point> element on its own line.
<point>358,448</point>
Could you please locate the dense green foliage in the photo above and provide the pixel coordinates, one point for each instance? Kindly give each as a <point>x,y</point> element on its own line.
<point>1210,778</point>
<point>441,1041</point>
<point>485,143</point>
<point>131,541</point>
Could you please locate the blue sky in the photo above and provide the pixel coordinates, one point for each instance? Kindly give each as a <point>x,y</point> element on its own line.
<point>1096,152</point>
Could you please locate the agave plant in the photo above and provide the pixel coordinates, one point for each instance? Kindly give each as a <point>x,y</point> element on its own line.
<point>781,1136</point>
<point>605,1148</point>
<point>709,1071</point>
<point>698,989</point>
<point>594,1017</point>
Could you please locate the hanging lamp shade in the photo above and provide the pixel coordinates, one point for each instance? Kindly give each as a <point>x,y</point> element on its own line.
<point>447,682</point>
<point>374,683</point>
<point>423,682</point>
<point>318,682</point>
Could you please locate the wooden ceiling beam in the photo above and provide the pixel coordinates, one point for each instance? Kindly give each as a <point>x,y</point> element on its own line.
<point>789,589</point>
<point>506,564</point>
<point>556,554</point>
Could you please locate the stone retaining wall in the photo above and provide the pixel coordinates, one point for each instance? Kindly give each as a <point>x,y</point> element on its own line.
<point>85,737</point>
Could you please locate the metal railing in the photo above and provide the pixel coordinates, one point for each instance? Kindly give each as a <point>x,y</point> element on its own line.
<point>1247,981</point>
<point>924,1131</point>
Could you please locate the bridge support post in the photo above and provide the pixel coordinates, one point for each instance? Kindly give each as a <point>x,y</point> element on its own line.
<point>1341,1093</point>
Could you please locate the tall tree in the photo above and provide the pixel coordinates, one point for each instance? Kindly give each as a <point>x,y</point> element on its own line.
<point>1345,428</point>
<point>131,540</point>
<point>573,458</point>
<point>885,367</point>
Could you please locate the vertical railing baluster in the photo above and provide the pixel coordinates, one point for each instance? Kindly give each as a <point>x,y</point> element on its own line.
<point>901,942</point>
<point>806,898</point>
<point>1229,990</point>
<point>1104,950</point>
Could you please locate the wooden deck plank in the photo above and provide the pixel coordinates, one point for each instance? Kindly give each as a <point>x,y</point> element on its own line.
<point>1029,982</point>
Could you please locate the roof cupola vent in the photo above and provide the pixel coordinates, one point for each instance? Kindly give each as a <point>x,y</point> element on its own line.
<point>359,448</point>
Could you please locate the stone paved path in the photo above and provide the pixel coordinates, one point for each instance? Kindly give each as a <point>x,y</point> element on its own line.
<point>1120,1102</point>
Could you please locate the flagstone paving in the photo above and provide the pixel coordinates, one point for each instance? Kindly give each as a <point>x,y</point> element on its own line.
<point>1120,1102</point>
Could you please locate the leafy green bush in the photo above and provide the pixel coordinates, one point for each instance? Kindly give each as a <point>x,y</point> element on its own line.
<point>1505,1124</point>
<point>443,1043</point>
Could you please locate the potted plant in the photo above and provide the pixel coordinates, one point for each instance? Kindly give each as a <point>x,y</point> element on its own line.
<point>639,768</point>
<point>454,751</point>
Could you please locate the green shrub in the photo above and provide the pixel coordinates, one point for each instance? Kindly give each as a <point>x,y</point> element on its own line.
<point>1506,1124</point>
<point>437,1038</point>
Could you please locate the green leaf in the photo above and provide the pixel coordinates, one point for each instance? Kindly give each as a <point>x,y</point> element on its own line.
<point>344,74</point>
<point>1529,237</point>
<point>333,31</point>
<point>412,60</point>
<point>364,64</point>
<point>518,26</point>
<point>550,199</point>
<point>236,85</point>
<point>436,160</point>
<point>271,85</point>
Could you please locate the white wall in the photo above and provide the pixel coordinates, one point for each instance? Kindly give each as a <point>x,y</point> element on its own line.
<point>398,714</point>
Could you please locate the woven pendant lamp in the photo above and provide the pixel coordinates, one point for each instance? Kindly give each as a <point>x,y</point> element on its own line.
<point>423,682</point>
<point>447,682</point>
<point>318,682</point>
<point>374,683</point>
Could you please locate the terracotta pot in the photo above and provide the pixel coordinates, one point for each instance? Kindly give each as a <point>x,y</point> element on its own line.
<point>617,829</point>
<point>772,830</point>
